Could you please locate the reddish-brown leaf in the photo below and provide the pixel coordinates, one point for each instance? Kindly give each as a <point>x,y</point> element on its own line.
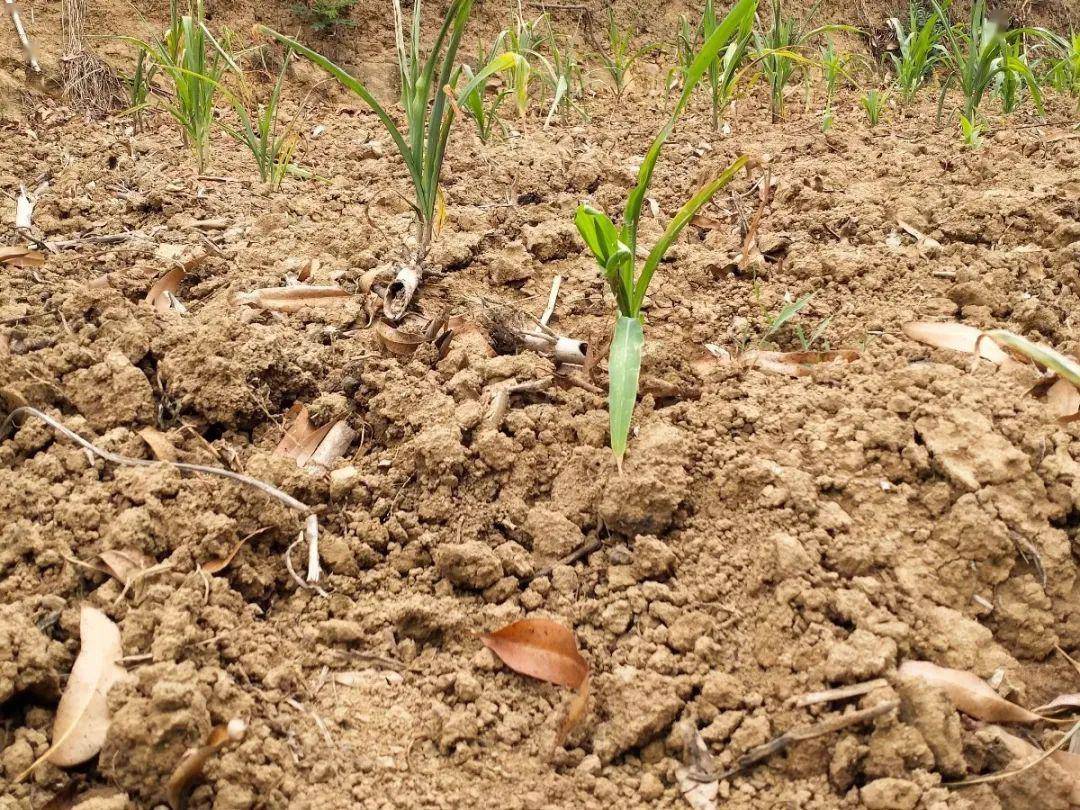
<point>190,768</point>
<point>541,649</point>
<point>21,257</point>
<point>575,713</point>
<point>221,563</point>
<point>1062,703</point>
<point>158,443</point>
<point>302,438</point>
<point>969,693</point>
<point>162,294</point>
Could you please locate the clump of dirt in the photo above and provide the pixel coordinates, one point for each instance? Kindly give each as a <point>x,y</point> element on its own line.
<point>768,537</point>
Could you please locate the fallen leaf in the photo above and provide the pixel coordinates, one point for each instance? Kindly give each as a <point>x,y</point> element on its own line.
<point>1024,752</point>
<point>697,777</point>
<point>221,563</point>
<point>969,693</point>
<point>956,336</point>
<point>1063,398</point>
<point>82,717</point>
<point>926,244</point>
<point>162,296</point>
<point>539,648</point>
<point>21,257</point>
<point>125,565</point>
<point>190,768</point>
<point>796,364</point>
<point>575,713</point>
<point>302,438</point>
<point>1062,703</point>
<point>158,443</point>
<point>397,341</point>
<point>293,298</point>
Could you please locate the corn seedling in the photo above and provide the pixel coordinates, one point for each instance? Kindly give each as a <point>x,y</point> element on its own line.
<point>616,250</point>
<point>974,58</point>
<point>563,79</point>
<point>1064,72</point>
<point>919,50</point>
<point>724,70</point>
<point>806,342</point>
<point>484,112</point>
<point>1009,83</point>
<point>873,103</point>
<point>194,62</point>
<point>524,39</point>
<point>621,55</point>
<point>272,148</point>
<point>779,50</point>
<point>971,130</point>
<point>686,44</point>
<point>325,15</point>
<point>426,84</point>
<point>140,83</point>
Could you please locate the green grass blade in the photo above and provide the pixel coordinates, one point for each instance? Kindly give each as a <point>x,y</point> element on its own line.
<point>1064,367</point>
<point>598,233</point>
<point>674,228</point>
<point>624,366</point>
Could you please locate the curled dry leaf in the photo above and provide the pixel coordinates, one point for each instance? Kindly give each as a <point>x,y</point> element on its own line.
<point>575,713</point>
<point>190,769</point>
<point>1063,398</point>
<point>221,563</point>
<point>1024,754</point>
<point>293,298</point>
<point>1061,704</point>
<point>125,565</point>
<point>397,341</point>
<point>82,718</point>
<point>540,648</point>
<point>955,336</point>
<point>158,443</point>
<point>696,778</point>
<point>302,438</point>
<point>969,693</point>
<point>162,296</point>
<point>21,257</point>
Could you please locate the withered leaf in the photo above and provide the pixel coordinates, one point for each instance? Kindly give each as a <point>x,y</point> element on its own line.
<point>575,713</point>
<point>125,565</point>
<point>969,693</point>
<point>1060,704</point>
<point>190,768</point>
<point>21,257</point>
<point>796,364</point>
<point>162,296</point>
<point>956,336</point>
<point>541,649</point>
<point>82,717</point>
<point>1063,398</point>
<point>221,563</point>
<point>293,298</point>
<point>158,443</point>
<point>302,438</point>
<point>397,341</point>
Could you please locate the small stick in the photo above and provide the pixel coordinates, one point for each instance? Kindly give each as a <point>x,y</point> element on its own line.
<point>102,239</point>
<point>24,210</point>
<point>116,458</point>
<point>553,297</point>
<point>23,38</point>
<point>839,693</point>
<point>304,586</point>
<point>311,531</point>
<point>581,551</point>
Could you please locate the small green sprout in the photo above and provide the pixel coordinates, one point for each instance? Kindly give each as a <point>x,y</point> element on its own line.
<point>616,250</point>
<point>621,56</point>
<point>971,130</point>
<point>325,15</point>
<point>873,103</point>
<point>919,49</point>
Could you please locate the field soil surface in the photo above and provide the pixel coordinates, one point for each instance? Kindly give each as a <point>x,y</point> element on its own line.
<point>769,535</point>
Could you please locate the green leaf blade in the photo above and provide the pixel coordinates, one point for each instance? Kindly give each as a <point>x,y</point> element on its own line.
<point>624,367</point>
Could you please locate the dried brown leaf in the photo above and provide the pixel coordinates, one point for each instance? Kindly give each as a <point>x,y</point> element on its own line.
<point>397,341</point>
<point>125,565</point>
<point>82,717</point>
<point>162,296</point>
<point>302,438</point>
<point>541,649</point>
<point>575,713</point>
<point>159,444</point>
<point>796,364</point>
<point>956,336</point>
<point>221,563</point>
<point>293,298</point>
<point>190,768</point>
<point>1062,703</point>
<point>969,693</point>
<point>1063,398</point>
<point>21,257</point>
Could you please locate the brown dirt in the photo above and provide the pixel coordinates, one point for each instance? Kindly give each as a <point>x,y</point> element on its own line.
<point>769,536</point>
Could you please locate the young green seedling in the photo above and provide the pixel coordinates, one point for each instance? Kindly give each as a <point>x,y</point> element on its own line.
<point>429,114</point>
<point>873,103</point>
<point>919,50</point>
<point>616,250</point>
<point>622,55</point>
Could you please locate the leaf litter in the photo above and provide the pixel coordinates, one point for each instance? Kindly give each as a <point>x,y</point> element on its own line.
<point>190,768</point>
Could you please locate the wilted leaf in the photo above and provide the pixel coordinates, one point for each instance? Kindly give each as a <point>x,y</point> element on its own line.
<point>158,443</point>
<point>796,364</point>
<point>1065,367</point>
<point>541,649</point>
<point>969,693</point>
<point>575,713</point>
<point>1062,703</point>
<point>82,718</point>
<point>221,563</point>
<point>190,769</point>
<point>293,298</point>
<point>955,336</point>
<point>697,777</point>
<point>397,341</point>
<point>302,438</point>
<point>21,257</point>
<point>125,565</point>
<point>1024,753</point>
<point>1063,398</point>
<point>162,296</point>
